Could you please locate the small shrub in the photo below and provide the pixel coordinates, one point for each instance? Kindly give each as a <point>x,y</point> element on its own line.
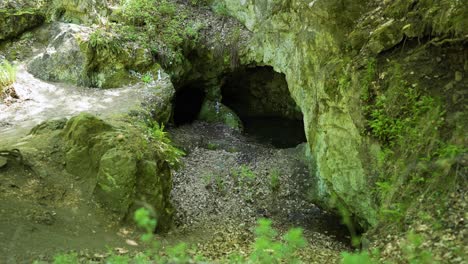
<point>266,249</point>
<point>143,220</point>
<point>356,258</point>
<point>7,75</point>
<point>71,258</point>
<point>147,78</point>
<point>413,252</point>
<point>164,147</point>
<point>101,40</point>
<point>245,172</point>
<point>220,8</point>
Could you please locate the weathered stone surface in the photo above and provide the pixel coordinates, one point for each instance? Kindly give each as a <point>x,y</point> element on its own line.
<point>216,112</point>
<point>72,56</point>
<point>14,22</point>
<point>63,60</point>
<point>315,45</point>
<point>79,11</point>
<point>3,162</point>
<point>116,180</point>
<point>158,99</point>
<point>302,49</point>
<point>386,36</point>
<point>109,157</point>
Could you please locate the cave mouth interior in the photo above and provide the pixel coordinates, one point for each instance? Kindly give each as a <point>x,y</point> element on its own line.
<point>188,102</point>
<point>261,99</point>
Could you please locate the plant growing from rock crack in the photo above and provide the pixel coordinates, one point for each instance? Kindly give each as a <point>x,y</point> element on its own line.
<point>147,78</point>
<point>164,147</point>
<point>101,40</point>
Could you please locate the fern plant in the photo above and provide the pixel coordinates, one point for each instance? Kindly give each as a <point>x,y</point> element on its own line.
<point>163,144</point>
<point>7,75</point>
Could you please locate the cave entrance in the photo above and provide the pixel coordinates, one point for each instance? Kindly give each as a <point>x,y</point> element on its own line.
<point>261,98</point>
<point>188,102</point>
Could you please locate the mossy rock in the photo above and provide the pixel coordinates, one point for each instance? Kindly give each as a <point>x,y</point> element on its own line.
<point>116,180</point>
<point>83,56</point>
<point>119,161</point>
<point>78,11</point>
<point>216,112</point>
<point>386,36</point>
<point>15,22</point>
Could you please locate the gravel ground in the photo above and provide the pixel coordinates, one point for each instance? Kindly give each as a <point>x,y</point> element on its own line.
<point>229,182</point>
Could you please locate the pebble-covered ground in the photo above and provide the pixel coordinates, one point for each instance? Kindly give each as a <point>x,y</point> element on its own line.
<point>228,182</point>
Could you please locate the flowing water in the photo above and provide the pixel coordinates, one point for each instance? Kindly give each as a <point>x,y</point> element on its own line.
<point>40,101</point>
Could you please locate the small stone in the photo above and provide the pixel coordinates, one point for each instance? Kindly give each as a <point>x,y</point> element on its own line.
<point>3,162</point>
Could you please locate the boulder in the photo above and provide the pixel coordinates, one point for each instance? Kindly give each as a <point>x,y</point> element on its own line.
<point>111,162</point>
<point>216,112</point>
<point>85,56</point>
<point>79,11</point>
<point>13,22</point>
<point>63,60</point>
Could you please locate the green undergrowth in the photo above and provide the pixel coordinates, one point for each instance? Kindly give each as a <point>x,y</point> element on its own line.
<point>416,158</point>
<point>418,152</point>
<point>7,75</point>
<point>168,152</point>
<point>161,26</point>
<point>268,247</point>
<point>102,40</point>
<point>431,17</point>
<point>412,253</point>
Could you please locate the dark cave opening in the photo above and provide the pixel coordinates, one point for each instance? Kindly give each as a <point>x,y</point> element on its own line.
<point>261,98</point>
<point>188,102</point>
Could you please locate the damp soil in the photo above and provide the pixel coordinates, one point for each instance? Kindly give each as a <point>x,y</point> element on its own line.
<point>230,180</point>
<point>216,204</point>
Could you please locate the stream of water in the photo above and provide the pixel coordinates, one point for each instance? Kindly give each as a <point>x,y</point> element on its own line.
<point>40,101</point>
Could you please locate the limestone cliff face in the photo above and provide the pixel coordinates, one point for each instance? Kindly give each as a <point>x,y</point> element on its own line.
<point>323,48</point>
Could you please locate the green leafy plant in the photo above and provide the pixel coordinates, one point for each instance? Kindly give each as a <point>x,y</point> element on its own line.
<point>147,78</point>
<point>450,151</point>
<point>220,8</point>
<point>244,172</point>
<point>160,26</point>
<point>143,220</point>
<point>164,147</point>
<point>413,252</point>
<point>266,249</point>
<point>215,180</point>
<point>101,40</point>
<point>275,180</point>
<point>71,258</point>
<point>356,258</point>
<point>7,75</point>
